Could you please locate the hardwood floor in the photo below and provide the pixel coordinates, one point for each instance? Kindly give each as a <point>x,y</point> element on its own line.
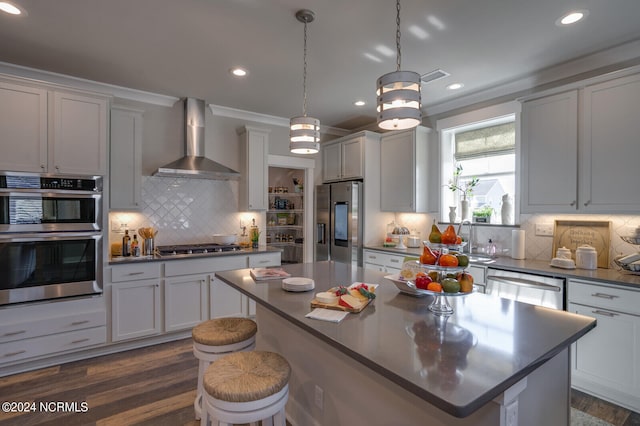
<point>154,386</point>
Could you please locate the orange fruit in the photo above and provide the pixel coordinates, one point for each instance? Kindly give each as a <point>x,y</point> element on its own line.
<point>434,286</point>
<point>448,260</point>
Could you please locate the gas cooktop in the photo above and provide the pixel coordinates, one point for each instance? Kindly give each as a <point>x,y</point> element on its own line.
<point>182,249</point>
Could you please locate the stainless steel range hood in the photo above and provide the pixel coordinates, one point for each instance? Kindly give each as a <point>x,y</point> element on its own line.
<point>194,164</point>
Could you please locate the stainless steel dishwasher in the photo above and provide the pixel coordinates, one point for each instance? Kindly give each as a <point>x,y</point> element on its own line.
<point>528,288</point>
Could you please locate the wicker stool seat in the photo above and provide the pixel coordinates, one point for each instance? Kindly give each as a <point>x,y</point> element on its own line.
<point>218,337</point>
<point>246,387</point>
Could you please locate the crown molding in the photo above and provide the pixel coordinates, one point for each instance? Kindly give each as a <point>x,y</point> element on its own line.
<point>49,77</point>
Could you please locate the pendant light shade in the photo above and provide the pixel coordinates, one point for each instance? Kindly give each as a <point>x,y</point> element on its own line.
<point>398,94</point>
<point>304,131</point>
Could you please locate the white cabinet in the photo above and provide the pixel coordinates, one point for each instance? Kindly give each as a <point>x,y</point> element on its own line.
<point>79,134</point>
<point>51,131</point>
<point>264,260</point>
<point>479,274</point>
<point>383,262</point>
<point>185,302</point>
<point>605,361</point>
<point>135,301</point>
<point>609,148</point>
<point>343,159</point>
<point>579,150</point>
<point>404,178</point>
<point>23,125</point>
<point>225,300</point>
<point>549,154</point>
<point>126,158</point>
<point>255,170</point>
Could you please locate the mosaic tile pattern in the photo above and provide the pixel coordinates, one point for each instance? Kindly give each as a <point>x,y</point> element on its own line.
<point>184,210</point>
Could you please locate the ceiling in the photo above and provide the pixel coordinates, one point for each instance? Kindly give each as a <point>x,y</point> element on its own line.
<point>186,47</point>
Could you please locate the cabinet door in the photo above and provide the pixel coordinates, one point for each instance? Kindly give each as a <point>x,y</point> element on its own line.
<point>126,159</point>
<point>23,125</point>
<point>225,301</point>
<point>352,159</point>
<point>609,147</point>
<point>397,177</point>
<point>79,134</point>
<point>255,173</point>
<point>331,162</point>
<point>135,309</point>
<point>549,157</point>
<point>185,302</point>
<point>605,360</point>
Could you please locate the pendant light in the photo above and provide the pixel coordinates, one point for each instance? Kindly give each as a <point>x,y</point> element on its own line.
<point>304,131</point>
<point>399,93</point>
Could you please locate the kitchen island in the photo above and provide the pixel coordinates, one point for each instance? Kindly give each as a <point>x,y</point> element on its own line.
<point>492,362</point>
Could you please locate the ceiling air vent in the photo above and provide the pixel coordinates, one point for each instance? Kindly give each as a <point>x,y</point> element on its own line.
<point>433,76</point>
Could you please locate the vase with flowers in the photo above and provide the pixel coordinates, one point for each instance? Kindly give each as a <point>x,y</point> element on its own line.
<point>465,188</point>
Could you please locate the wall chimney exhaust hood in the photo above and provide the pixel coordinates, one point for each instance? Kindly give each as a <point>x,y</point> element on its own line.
<point>194,165</point>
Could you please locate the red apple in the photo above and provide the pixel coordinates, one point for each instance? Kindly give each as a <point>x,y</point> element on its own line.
<point>423,281</point>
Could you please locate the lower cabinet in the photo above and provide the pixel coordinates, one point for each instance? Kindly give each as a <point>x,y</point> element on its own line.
<point>135,309</point>
<point>606,361</point>
<point>185,302</point>
<point>383,262</point>
<point>225,301</point>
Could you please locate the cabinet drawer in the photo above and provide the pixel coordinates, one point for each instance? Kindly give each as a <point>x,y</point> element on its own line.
<point>604,296</point>
<point>46,326</point>
<point>265,259</point>
<point>45,345</point>
<point>205,265</point>
<point>142,271</point>
<point>384,259</point>
<point>478,273</point>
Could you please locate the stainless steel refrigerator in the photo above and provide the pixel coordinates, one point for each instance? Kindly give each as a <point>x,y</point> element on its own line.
<point>339,222</point>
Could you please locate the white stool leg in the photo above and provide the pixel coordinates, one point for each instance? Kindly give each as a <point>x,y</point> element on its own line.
<point>267,422</point>
<point>197,404</point>
<point>280,418</point>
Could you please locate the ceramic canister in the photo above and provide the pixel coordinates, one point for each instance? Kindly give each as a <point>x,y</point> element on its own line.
<point>586,257</point>
<point>563,253</point>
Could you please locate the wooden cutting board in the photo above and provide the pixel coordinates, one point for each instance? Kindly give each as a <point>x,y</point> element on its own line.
<point>574,233</point>
<point>316,304</point>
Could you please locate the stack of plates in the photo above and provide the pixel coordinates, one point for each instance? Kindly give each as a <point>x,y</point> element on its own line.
<point>298,284</point>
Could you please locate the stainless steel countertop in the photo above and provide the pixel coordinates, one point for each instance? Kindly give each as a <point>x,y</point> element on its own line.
<point>540,267</point>
<point>157,258</point>
<point>457,365</point>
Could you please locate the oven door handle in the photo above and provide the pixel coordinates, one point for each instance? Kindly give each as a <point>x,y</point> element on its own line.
<point>523,282</point>
<point>44,236</point>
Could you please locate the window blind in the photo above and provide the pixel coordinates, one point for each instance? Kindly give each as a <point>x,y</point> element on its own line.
<point>499,139</point>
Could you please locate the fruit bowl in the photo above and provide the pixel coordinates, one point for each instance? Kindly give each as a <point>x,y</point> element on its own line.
<point>409,287</point>
<point>445,246</point>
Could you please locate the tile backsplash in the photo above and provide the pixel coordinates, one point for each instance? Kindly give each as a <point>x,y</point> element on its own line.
<point>184,211</point>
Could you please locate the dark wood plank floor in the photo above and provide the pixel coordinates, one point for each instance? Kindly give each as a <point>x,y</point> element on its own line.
<point>155,386</point>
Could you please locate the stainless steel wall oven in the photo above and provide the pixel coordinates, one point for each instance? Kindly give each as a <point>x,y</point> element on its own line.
<point>50,237</point>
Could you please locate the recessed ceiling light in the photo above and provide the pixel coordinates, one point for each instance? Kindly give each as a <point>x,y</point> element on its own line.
<point>11,8</point>
<point>359,103</point>
<point>455,86</point>
<point>572,17</point>
<point>239,72</point>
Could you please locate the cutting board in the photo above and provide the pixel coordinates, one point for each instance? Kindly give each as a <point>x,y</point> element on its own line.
<point>316,304</point>
<point>574,233</point>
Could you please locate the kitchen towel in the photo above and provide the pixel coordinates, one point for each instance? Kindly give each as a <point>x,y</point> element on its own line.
<point>517,244</point>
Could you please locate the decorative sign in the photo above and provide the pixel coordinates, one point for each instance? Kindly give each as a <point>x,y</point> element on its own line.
<point>574,233</point>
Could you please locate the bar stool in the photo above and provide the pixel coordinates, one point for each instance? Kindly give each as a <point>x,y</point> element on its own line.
<point>246,387</point>
<point>215,338</point>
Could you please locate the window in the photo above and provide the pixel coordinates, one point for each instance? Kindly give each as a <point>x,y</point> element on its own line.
<point>486,151</point>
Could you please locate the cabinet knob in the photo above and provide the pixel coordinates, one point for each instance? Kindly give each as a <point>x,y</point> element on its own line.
<point>587,203</point>
<point>573,203</point>
<point>42,166</point>
<point>57,168</point>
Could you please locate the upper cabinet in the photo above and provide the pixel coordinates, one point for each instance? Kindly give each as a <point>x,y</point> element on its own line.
<point>51,131</point>
<point>126,158</point>
<point>254,143</point>
<point>580,150</point>
<point>343,159</point>
<point>404,178</point>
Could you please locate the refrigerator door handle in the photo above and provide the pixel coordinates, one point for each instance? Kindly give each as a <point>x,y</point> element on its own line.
<point>321,233</point>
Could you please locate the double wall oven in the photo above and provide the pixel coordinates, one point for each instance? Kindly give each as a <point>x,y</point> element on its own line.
<point>50,236</point>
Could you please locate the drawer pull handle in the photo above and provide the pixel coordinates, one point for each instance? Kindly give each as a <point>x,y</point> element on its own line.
<point>79,322</point>
<point>394,260</point>
<point>605,296</point>
<point>372,257</point>
<point>14,333</point>
<point>264,261</point>
<point>14,353</point>
<point>605,313</point>
<point>136,273</point>
<point>80,340</point>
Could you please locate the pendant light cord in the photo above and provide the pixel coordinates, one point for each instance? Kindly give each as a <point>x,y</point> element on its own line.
<point>399,52</point>
<point>304,73</point>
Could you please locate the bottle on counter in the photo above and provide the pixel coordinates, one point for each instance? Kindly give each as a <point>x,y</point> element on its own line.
<point>135,246</point>
<point>126,243</point>
<point>491,248</point>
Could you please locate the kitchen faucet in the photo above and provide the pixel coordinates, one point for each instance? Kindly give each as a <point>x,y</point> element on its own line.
<point>469,246</point>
